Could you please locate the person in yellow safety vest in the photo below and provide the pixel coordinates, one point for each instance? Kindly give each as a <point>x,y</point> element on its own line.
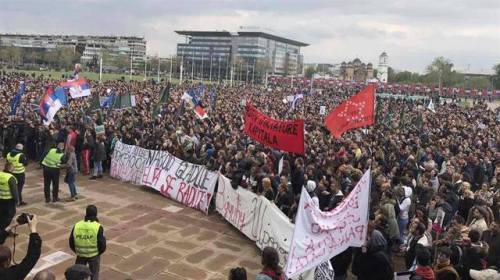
<point>8,196</point>
<point>19,162</point>
<point>51,169</point>
<point>88,242</point>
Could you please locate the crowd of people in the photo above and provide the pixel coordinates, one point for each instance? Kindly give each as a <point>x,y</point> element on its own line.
<point>435,200</point>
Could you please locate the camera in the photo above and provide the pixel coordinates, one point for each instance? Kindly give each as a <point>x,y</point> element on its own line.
<point>23,218</point>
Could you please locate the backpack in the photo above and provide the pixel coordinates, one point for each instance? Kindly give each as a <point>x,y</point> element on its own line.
<point>396,209</point>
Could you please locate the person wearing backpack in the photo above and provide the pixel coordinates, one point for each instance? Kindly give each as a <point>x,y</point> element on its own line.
<point>404,208</point>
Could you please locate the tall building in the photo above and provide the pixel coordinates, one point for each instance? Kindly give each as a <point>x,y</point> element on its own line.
<point>247,54</point>
<point>383,67</point>
<point>356,70</point>
<point>88,46</point>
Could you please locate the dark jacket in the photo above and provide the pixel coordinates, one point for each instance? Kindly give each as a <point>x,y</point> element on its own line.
<point>99,153</point>
<point>493,240</point>
<point>101,240</point>
<point>372,266</point>
<point>20,271</point>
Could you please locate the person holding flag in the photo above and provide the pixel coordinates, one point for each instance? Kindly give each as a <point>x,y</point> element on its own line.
<point>17,98</point>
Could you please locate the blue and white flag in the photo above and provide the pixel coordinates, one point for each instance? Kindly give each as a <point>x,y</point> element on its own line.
<point>17,98</point>
<point>108,101</point>
<point>296,99</point>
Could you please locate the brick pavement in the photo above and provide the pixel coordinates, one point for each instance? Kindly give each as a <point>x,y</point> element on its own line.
<point>144,241</point>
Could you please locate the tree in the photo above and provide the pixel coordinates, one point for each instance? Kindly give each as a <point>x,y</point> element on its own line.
<point>390,75</point>
<point>122,62</point>
<point>309,72</point>
<point>495,79</point>
<point>441,72</point>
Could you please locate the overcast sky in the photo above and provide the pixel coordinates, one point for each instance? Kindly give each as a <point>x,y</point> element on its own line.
<point>411,32</point>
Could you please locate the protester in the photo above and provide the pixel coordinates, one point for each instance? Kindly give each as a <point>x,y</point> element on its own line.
<point>444,269</point>
<point>71,170</point>
<point>21,270</point>
<point>271,268</point>
<point>427,166</point>
<point>423,269</point>
<point>18,162</point>
<point>88,242</point>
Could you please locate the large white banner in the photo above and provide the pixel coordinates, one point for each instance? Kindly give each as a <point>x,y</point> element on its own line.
<point>190,184</point>
<point>319,236</point>
<point>261,221</point>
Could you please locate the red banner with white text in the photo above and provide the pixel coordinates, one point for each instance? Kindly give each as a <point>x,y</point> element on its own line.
<point>285,135</point>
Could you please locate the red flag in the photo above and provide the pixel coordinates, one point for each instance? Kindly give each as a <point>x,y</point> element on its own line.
<point>357,111</point>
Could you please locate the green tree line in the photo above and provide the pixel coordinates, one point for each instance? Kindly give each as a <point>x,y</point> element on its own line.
<point>57,59</point>
<point>441,72</point>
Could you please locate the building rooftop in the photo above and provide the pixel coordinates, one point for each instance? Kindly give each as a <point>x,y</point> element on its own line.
<point>242,34</point>
<point>69,36</point>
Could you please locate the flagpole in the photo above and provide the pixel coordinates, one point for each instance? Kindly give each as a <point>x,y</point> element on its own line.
<point>158,78</point>
<point>181,69</point>
<point>145,67</point>
<point>100,70</point>
<point>170,74</point>
<point>253,71</point>
<point>218,73</point>
<point>210,68</point>
<point>130,75</point>
<point>201,72</point>
<point>192,67</point>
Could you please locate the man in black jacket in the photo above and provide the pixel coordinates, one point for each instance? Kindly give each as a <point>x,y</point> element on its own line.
<point>20,271</point>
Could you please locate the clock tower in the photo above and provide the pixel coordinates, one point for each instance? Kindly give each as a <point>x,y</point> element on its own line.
<point>383,67</point>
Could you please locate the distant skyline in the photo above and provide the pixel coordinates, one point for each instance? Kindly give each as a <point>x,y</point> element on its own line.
<point>413,33</point>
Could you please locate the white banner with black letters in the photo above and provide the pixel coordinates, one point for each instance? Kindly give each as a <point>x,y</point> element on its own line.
<point>190,184</point>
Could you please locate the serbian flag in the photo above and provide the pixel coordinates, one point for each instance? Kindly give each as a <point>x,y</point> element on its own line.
<point>50,104</point>
<point>77,88</point>
<point>190,98</point>
<point>357,111</point>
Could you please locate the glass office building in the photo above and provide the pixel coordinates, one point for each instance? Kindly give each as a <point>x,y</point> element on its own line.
<point>248,55</point>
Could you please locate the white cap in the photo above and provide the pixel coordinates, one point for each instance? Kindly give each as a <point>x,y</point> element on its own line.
<point>19,147</point>
<point>311,186</point>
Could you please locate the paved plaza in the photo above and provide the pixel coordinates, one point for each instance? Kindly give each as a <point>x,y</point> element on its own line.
<point>148,236</point>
